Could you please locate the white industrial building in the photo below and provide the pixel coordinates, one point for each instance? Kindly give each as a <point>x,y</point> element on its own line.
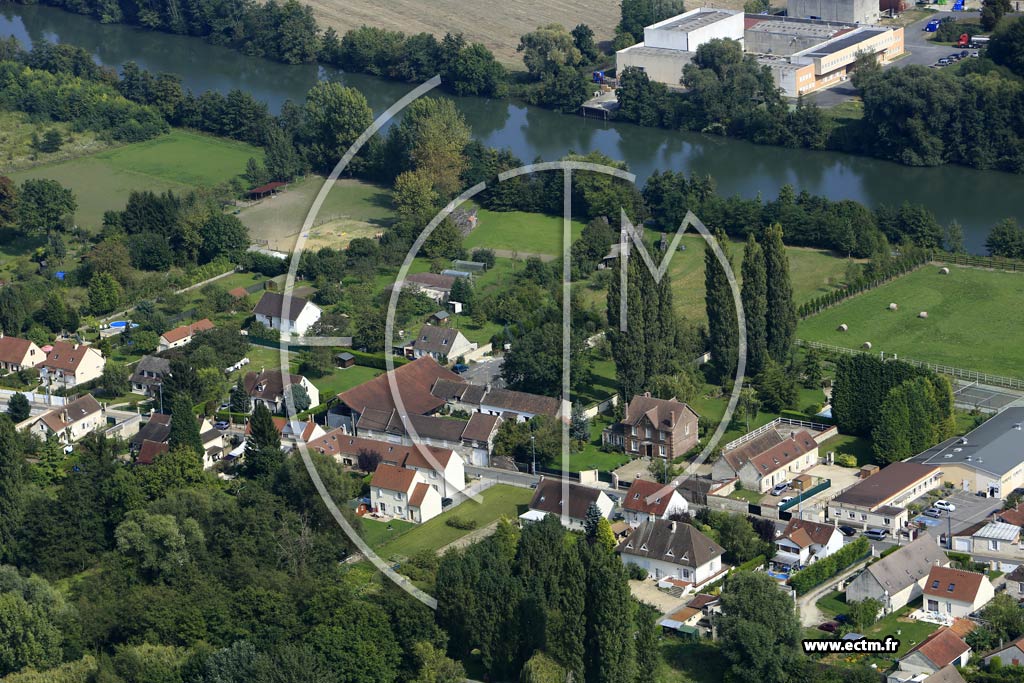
<point>847,11</point>
<point>669,45</point>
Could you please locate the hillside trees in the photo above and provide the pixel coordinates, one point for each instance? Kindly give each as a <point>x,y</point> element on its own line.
<point>723,331</point>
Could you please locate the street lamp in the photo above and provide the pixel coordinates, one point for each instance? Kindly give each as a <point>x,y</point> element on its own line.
<point>533,450</point>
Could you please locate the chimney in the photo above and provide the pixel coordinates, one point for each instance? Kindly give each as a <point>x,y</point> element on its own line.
<point>672,526</point>
<point>647,394</point>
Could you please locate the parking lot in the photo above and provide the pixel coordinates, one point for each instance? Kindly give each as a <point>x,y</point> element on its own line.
<point>970,509</point>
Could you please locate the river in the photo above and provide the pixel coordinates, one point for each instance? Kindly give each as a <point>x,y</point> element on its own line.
<point>977,199</point>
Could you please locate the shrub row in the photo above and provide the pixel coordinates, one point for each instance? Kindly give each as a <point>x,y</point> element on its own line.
<point>825,568</point>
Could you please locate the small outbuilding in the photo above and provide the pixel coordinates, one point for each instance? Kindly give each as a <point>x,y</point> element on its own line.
<point>344,360</point>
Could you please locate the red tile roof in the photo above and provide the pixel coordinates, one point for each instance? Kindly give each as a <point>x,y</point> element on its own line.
<point>179,333</point>
<point>648,497</point>
<point>953,584</point>
<point>1014,515</point>
<point>393,478</point>
<point>418,494</point>
<point>13,349</point>
<point>337,442</point>
<point>414,382</point>
<point>150,451</point>
<point>804,533</point>
<point>942,647</point>
<point>66,356</point>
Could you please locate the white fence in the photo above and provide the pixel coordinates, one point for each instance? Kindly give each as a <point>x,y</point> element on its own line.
<point>958,373</point>
<point>48,399</point>
<point>602,407</point>
<point>818,427</point>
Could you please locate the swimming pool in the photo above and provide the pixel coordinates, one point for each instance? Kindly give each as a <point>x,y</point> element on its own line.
<point>121,324</point>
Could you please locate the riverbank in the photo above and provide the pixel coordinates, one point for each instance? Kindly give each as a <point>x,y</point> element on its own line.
<point>977,199</point>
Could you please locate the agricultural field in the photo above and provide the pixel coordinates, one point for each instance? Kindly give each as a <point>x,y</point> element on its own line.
<point>352,209</point>
<point>495,24</point>
<point>959,306</point>
<point>178,161</point>
<point>519,233</point>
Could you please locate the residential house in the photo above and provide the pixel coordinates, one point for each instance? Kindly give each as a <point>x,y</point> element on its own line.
<point>697,618</point>
<point>268,387</point>
<point>293,431</point>
<point>19,354</point>
<point>898,578</point>
<point>402,493</point>
<point>299,315</point>
<point>670,549</point>
<point>880,500</point>
<point>942,648</point>
<point>67,365</point>
<point>987,460</point>
<point>953,593</point>
<point>1011,654</point>
<point>804,542</point>
<point>444,344</point>
<point>948,674</point>
<point>157,430</point>
<point>473,439</point>
<point>70,422</point>
<point>434,285</point>
<point>651,426</point>
<point>517,405</point>
<point>414,381</point>
<point>182,335</point>
<point>568,501</point>
<point>1014,515</point>
<point>996,537</point>
<point>1015,583</point>
<point>648,500</point>
<point>442,468</point>
<point>149,375</point>
<point>768,459</point>
<point>149,451</point>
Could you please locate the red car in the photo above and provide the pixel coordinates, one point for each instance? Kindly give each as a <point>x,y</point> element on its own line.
<point>829,626</point>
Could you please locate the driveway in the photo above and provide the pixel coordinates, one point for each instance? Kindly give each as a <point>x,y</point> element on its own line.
<point>486,371</point>
<point>647,591</point>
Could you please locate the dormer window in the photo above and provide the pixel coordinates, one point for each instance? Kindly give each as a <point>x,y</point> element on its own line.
<point>935,584</point>
<point>636,496</point>
<point>951,588</point>
<point>644,547</point>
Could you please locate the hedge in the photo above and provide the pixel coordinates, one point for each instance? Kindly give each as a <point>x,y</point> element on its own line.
<point>827,567</point>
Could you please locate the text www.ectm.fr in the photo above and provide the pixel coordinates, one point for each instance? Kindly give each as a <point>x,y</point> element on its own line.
<point>828,646</point>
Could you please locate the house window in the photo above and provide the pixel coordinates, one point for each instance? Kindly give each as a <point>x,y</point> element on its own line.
<point>661,451</point>
<point>863,517</point>
<point>632,445</point>
<point>398,509</point>
<point>886,521</point>
<point>633,430</point>
<point>993,544</point>
<point>661,435</point>
<point>647,433</point>
<point>852,515</point>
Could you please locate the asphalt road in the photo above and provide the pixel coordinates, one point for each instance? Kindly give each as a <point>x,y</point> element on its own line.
<point>486,371</point>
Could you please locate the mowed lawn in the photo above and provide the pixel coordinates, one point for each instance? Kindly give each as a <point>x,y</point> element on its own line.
<point>499,500</point>
<point>974,319</point>
<point>177,161</point>
<point>518,231</point>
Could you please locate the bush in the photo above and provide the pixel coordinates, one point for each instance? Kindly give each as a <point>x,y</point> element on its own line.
<point>461,523</point>
<point>824,569</point>
<point>636,572</point>
<point>846,460</point>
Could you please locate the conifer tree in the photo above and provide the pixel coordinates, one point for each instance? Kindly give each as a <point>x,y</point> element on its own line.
<point>723,332</point>
<point>780,312</point>
<point>755,304</point>
<point>184,426</point>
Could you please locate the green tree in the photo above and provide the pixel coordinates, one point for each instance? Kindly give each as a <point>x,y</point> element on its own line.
<point>184,432</point>
<point>641,100</point>
<point>43,204</point>
<point>435,667</point>
<point>27,637</point>
<point>255,173</point>
<point>548,48</point>
<point>105,293</point>
<point>263,456</point>
<point>1006,239</point>
<point>636,14</point>
<point>776,387</point>
<point>890,439</point>
<point>1003,616</point>
<point>158,546</point>
<point>780,312</point>
<point>755,304</point>
<point>179,468</point>
<point>583,39</point>
<point>239,398</point>
<point>333,117</point>
<point>8,202</point>
<point>864,613</point>
<point>115,378</point>
<point>18,407</point>
<point>541,668</point>
<point>954,239</point>
<point>445,242</point>
<point>992,11</point>
<point>300,397</point>
<point>758,629</point>
<point>12,488</point>
<point>723,331</point>
<point>609,648</point>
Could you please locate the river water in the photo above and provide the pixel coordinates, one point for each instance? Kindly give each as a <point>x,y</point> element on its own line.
<point>978,199</point>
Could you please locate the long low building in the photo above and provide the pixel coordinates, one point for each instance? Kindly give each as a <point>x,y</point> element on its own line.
<point>880,500</point>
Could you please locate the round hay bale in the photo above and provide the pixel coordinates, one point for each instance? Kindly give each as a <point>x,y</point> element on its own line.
<point>866,345</point>
<point>842,328</point>
<point>943,271</point>
<point>922,314</point>
<point>893,307</point>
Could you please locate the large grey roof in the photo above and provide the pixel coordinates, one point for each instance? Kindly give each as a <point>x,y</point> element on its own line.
<point>996,447</point>
<point>668,541</point>
<point>908,565</point>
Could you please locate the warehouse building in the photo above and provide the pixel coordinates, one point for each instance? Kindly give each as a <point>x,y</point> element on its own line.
<point>669,45</point>
<point>846,11</point>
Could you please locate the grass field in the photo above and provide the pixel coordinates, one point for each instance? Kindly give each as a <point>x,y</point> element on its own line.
<point>499,500</point>
<point>16,130</point>
<point>959,306</point>
<point>177,161</point>
<point>352,209</point>
<point>592,457</point>
<point>527,233</point>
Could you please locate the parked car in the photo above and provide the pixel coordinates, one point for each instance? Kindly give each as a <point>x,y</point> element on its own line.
<point>445,502</point>
<point>876,534</point>
<point>460,368</point>
<point>974,54</point>
<point>944,505</point>
<point>842,618</point>
<point>847,531</point>
<point>828,626</point>
<point>932,512</point>
<point>943,62</point>
<point>779,488</point>
<point>786,500</point>
<point>221,424</point>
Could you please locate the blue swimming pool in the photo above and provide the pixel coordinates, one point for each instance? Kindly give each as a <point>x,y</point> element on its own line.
<point>121,324</point>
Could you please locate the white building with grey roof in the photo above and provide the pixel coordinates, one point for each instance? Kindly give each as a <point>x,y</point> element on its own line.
<point>989,459</point>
